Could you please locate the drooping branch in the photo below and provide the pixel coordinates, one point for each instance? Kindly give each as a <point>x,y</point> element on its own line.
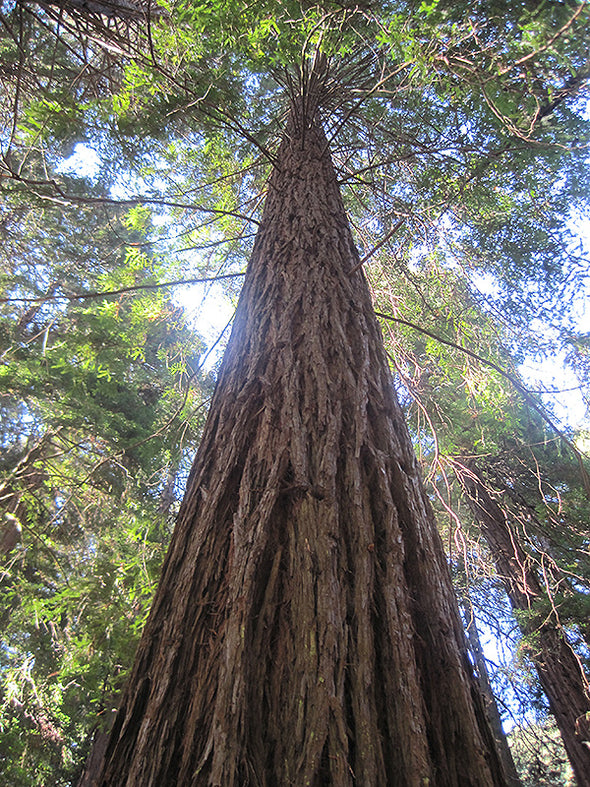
<point>117,9</point>
<point>529,397</point>
<point>60,196</point>
<point>83,296</point>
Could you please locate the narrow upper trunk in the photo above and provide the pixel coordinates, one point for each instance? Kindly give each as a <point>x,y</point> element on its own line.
<point>305,631</point>
<point>25,477</point>
<point>560,672</point>
<point>495,720</point>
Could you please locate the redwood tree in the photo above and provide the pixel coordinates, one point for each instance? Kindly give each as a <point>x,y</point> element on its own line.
<point>305,630</point>
<point>560,672</point>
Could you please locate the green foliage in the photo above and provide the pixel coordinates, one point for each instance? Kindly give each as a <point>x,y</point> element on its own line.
<point>94,393</point>
<point>67,644</point>
<point>539,757</point>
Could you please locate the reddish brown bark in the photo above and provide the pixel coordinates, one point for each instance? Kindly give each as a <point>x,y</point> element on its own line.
<point>560,672</point>
<point>305,631</point>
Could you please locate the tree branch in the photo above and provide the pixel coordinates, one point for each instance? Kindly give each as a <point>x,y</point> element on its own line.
<point>524,392</point>
<point>63,196</point>
<point>551,41</point>
<point>82,296</point>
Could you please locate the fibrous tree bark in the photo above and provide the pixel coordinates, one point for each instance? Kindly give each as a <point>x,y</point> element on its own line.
<point>305,630</point>
<point>560,672</point>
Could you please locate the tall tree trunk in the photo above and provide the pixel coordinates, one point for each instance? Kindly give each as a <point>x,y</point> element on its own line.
<point>560,672</point>
<point>305,630</point>
<point>483,674</point>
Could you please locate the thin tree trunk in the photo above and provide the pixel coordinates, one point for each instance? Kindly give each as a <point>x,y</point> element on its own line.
<point>93,764</point>
<point>495,720</point>
<point>25,477</point>
<point>305,630</point>
<point>560,672</point>
<point>167,497</point>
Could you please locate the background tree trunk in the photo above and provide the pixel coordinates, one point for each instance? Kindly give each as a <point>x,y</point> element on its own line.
<point>305,630</point>
<point>559,670</point>
<point>25,477</point>
<point>494,717</point>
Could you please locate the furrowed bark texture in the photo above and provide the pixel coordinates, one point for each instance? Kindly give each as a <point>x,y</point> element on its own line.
<point>560,672</point>
<point>305,631</point>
